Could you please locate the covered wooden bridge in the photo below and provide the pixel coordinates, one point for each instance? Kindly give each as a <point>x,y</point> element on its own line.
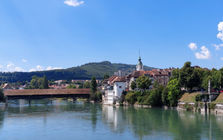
<point>46,93</point>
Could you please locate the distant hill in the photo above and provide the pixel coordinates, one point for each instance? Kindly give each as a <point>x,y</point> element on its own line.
<point>82,72</point>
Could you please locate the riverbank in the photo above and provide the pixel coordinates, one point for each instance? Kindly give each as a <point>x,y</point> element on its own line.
<point>189,102</point>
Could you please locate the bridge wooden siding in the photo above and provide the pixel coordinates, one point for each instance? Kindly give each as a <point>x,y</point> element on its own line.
<point>45,93</point>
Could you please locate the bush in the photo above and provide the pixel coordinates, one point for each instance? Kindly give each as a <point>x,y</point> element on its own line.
<point>201,97</point>
<point>71,86</point>
<point>133,97</point>
<point>97,97</point>
<point>155,97</point>
<point>212,105</point>
<point>188,107</point>
<point>198,98</point>
<point>122,99</point>
<point>140,99</point>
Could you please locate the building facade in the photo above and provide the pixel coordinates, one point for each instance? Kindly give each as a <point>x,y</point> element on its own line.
<point>113,90</point>
<point>115,85</point>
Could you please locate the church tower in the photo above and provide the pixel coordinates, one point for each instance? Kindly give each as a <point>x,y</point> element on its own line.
<point>139,66</point>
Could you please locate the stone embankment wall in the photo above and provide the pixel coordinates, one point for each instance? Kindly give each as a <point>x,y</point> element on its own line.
<point>201,107</point>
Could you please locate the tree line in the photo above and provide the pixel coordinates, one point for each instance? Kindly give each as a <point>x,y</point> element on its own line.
<point>38,83</point>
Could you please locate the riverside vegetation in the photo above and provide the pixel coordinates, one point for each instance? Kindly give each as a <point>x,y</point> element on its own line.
<point>186,79</point>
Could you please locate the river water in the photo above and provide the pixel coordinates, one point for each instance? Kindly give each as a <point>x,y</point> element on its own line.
<point>61,119</point>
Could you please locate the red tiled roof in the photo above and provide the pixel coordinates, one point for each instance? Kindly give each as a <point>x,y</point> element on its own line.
<point>137,74</point>
<point>112,78</point>
<point>120,79</point>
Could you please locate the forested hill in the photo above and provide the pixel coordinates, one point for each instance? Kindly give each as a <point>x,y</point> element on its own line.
<point>81,72</point>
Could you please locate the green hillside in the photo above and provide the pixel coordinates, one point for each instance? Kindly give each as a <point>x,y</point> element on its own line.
<point>85,71</point>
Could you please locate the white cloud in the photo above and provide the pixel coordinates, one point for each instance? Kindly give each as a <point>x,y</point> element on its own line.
<point>203,54</point>
<point>19,69</point>
<point>10,65</point>
<point>24,60</point>
<point>31,70</point>
<point>193,46</point>
<point>37,68</point>
<point>220,29</point>
<point>52,68</point>
<point>40,68</point>
<point>218,46</point>
<point>73,3</point>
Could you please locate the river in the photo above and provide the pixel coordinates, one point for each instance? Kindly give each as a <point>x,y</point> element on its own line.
<point>61,119</point>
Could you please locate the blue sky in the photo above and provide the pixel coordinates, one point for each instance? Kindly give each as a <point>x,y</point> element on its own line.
<point>50,34</point>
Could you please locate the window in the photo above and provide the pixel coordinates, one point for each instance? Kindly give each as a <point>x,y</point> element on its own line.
<point>120,86</point>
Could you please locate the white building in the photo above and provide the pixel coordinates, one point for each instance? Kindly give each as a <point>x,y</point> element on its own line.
<point>114,90</point>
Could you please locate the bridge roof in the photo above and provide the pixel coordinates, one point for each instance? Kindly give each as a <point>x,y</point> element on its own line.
<point>31,92</point>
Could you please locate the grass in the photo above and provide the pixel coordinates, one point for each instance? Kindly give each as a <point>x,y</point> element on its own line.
<point>189,97</point>
<point>219,99</point>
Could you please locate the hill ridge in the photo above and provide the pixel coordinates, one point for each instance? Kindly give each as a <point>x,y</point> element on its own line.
<point>83,72</point>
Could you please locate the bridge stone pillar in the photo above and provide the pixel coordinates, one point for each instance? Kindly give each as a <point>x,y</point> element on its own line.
<point>6,101</point>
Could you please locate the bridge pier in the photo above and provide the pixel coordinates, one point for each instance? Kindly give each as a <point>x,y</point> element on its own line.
<point>29,100</point>
<point>74,99</point>
<point>6,101</point>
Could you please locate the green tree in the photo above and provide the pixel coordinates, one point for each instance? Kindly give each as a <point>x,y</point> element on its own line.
<point>71,86</point>
<point>155,96</point>
<point>185,75</point>
<point>45,83</point>
<point>216,77</point>
<point>175,74</point>
<point>93,85</point>
<point>133,85</point>
<point>106,76</point>
<point>143,82</point>
<point>93,88</point>
<point>39,83</point>
<point>205,82</point>
<point>81,86</point>
<point>34,84</point>
<point>194,80</point>
<point>87,84</point>
<point>221,78</point>
<point>165,96</point>
<point>173,92</point>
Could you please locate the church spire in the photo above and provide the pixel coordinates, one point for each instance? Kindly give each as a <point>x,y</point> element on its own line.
<point>139,66</point>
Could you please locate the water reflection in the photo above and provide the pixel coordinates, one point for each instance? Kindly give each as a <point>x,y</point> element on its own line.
<point>167,123</point>
<point>1,117</point>
<point>114,117</point>
<point>93,121</point>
